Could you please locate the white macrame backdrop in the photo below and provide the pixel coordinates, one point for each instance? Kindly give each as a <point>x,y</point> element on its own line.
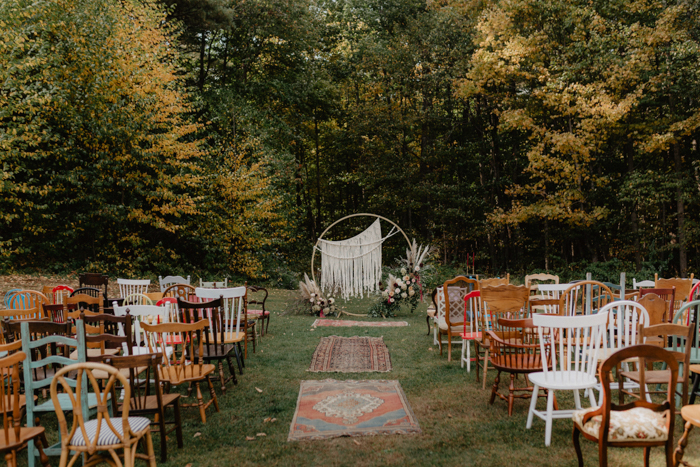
<point>353,266</point>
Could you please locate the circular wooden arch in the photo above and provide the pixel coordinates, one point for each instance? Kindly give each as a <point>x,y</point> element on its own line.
<point>313,255</point>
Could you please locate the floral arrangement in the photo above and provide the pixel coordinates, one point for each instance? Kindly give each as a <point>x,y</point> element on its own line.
<point>404,288</point>
<point>315,302</point>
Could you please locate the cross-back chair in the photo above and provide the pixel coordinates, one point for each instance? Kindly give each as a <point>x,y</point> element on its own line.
<point>186,365</point>
<point>503,301</point>
<point>514,349</point>
<point>103,434</point>
<point>572,345</point>
<point>637,424</point>
<point>14,436</point>
<point>147,399</point>
<point>450,309</point>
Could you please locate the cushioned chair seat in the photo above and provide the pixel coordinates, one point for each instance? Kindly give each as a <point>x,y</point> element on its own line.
<point>107,436</point>
<point>637,424</point>
<point>258,313</point>
<point>455,329</point>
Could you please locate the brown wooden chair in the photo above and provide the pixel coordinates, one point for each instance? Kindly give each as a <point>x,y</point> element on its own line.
<point>147,401</point>
<point>494,282</point>
<point>503,301</point>
<point>104,433</point>
<point>683,288</point>
<point>94,279</point>
<point>183,291</point>
<point>668,295</point>
<point>83,302</point>
<point>681,345</point>
<point>514,349</point>
<point>450,309</point>
<point>658,309</point>
<point>15,437</point>
<point>584,298</point>
<point>27,300</point>
<point>637,424</point>
<point>257,297</point>
<point>186,365</point>
<point>217,346</point>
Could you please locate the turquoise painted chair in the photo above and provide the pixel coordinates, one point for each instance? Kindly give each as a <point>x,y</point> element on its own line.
<point>48,347</point>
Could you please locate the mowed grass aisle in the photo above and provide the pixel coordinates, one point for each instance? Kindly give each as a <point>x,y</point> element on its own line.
<point>459,427</point>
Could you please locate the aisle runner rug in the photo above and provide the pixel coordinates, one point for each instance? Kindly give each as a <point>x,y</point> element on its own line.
<point>330,408</point>
<point>346,323</point>
<point>351,355</point>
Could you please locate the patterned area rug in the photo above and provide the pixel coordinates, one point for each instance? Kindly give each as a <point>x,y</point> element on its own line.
<point>341,323</point>
<point>330,408</point>
<point>351,355</point>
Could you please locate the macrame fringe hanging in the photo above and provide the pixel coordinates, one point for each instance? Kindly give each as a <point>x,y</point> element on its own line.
<point>353,266</point>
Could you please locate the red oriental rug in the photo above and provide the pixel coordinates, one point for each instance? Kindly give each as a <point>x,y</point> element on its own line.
<point>330,408</point>
<point>347,323</point>
<point>351,355</point>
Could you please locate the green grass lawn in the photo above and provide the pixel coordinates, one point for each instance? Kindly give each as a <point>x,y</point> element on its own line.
<point>458,425</point>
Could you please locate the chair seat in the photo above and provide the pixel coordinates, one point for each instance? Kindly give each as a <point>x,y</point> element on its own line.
<point>563,380</point>
<point>107,437</point>
<point>652,377</point>
<point>637,424</point>
<point>151,403</point>
<point>144,350</point>
<point>259,313</point>
<point>215,351</point>
<point>65,403</point>
<point>456,329</point>
<point>186,374</point>
<point>25,434</point>
<point>431,312</point>
<point>100,374</point>
<point>95,353</point>
<point>229,337</point>
<point>517,363</point>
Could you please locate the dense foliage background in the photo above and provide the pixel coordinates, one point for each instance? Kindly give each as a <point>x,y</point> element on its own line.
<point>223,137</point>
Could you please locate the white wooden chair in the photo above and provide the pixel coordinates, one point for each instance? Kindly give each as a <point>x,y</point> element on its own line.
<point>214,284</point>
<point>624,319</point>
<point>570,347</point>
<point>470,331</point>
<point>642,284</point>
<point>148,314</point>
<point>167,281</point>
<point>132,286</point>
<point>234,309</point>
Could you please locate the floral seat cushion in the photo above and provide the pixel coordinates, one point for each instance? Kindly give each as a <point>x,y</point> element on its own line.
<point>637,424</point>
<point>258,313</point>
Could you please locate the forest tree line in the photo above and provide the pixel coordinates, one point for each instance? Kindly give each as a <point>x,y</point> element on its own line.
<point>224,136</point>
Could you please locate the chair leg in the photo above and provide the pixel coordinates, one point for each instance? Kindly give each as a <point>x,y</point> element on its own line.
<point>511,394</point>
<point>427,320</point>
<point>239,360</point>
<point>549,419</point>
<point>200,403</point>
<point>577,445</point>
<point>486,367</point>
<point>230,369</point>
<point>577,399</point>
<point>222,377</point>
<point>494,388</point>
<point>647,451</point>
<point>178,425</point>
<point>696,383</point>
<point>163,442</point>
<point>533,404</point>
<point>464,351</point>
<point>149,449</point>
<point>449,346</point>
<point>213,394</point>
<point>682,443</point>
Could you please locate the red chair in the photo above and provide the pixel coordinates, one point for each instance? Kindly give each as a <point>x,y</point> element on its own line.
<point>60,292</point>
<point>473,333</point>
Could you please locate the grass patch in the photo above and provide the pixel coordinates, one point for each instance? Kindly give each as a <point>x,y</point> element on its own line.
<point>459,426</point>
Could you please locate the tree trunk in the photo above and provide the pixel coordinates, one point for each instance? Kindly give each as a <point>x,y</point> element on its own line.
<point>682,252</point>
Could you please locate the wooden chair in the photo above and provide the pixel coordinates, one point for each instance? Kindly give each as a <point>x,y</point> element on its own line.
<point>637,424</point>
<point>218,344</point>
<point>61,292</point>
<point>132,286</point>
<point>147,401</point>
<point>450,309</point>
<point>94,437</point>
<point>214,285</point>
<point>47,347</point>
<point>235,302</point>
<point>138,299</point>
<point>8,296</point>
<point>36,314</point>
<point>572,344</point>
<point>471,333</point>
<point>494,282</point>
<point>94,279</point>
<point>26,300</point>
<point>183,291</point>
<point>259,312</point>
<point>681,344</point>
<point>584,298</point>
<point>180,369</point>
<point>15,437</point>
<point>503,301</point>
<point>683,288</point>
<point>640,284</point>
<point>514,349</point>
<point>668,295</point>
<point>83,302</point>
<point>154,296</point>
<point>146,314</point>
<point>91,291</point>
<point>167,281</point>
<point>533,280</point>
